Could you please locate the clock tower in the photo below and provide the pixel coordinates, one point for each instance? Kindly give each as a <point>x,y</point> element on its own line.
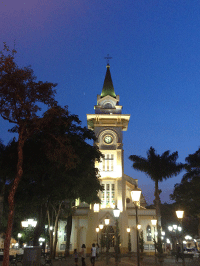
<point>108,123</point>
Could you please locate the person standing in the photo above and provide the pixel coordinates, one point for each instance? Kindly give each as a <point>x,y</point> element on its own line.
<point>178,253</point>
<point>83,254</point>
<point>93,254</point>
<point>76,257</point>
<point>97,251</point>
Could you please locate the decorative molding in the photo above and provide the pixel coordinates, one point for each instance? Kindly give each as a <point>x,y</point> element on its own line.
<point>146,212</point>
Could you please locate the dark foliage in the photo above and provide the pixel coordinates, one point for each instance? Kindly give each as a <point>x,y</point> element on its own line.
<point>186,194</point>
<point>19,98</point>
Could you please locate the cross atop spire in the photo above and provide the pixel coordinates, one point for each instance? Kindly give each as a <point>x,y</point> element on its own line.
<point>108,58</point>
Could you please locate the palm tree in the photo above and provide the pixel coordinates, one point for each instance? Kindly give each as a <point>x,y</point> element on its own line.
<point>157,167</point>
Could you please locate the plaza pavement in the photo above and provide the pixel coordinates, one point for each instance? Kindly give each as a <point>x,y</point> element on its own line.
<point>147,261</point>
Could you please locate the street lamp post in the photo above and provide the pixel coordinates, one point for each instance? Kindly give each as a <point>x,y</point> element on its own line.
<point>101,227</point>
<point>139,226</point>
<point>128,229</point>
<point>19,235</point>
<point>179,215</point>
<point>154,222</point>
<point>135,195</point>
<point>116,213</point>
<point>97,230</point>
<point>107,221</point>
<point>163,239</point>
<point>29,224</point>
<point>141,239</point>
<point>174,228</point>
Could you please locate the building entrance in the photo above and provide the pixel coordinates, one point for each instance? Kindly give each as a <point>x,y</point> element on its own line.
<point>108,237</point>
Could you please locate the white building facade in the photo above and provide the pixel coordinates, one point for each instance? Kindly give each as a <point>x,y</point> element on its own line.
<point>108,123</point>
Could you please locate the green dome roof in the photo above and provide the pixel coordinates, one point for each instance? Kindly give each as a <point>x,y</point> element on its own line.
<point>108,88</point>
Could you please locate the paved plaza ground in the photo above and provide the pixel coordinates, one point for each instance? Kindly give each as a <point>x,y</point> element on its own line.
<point>148,260</point>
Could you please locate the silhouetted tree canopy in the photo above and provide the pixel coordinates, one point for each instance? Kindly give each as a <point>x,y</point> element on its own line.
<point>67,174</point>
<point>20,95</point>
<point>186,194</point>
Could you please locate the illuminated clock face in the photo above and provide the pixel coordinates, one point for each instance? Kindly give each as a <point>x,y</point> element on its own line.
<point>108,139</point>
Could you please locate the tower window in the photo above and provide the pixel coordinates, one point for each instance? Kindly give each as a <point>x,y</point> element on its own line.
<point>107,106</point>
<point>108,195</point>
<point>107,163</point>
<point>148,233</point>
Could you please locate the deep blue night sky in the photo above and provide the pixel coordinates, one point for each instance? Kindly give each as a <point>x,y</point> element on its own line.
<point>155,45</point>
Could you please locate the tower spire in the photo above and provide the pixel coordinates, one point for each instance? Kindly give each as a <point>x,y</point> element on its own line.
<point>108,88</point>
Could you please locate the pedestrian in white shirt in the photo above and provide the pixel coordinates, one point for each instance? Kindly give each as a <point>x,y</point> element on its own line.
<point>83,254</point>
<point>93,254</point>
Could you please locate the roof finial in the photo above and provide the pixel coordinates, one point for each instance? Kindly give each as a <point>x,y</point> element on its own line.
<point>108,57</point>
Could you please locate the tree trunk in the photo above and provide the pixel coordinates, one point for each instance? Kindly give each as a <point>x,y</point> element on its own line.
<point>158,217</point>
<point>56,231</point>
<point>68,229</point>
<point>1,206</point>
<point>50,233</point>
<point>40,225</point>
<point>11,196</point>
<point>157,204</point>
<point>36,234</point>
<point>199,225</point>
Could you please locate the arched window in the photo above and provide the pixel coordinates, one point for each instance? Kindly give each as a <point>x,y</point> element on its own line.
<point>107,105</point>
<point>108,195</point>
<point>148,233</point>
